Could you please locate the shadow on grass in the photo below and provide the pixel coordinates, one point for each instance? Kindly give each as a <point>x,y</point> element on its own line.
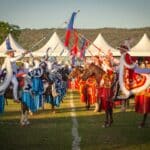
<point>53,131</point>
<point>50,131</point>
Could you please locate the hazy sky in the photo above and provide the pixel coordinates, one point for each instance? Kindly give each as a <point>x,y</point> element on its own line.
<point>93,13</point>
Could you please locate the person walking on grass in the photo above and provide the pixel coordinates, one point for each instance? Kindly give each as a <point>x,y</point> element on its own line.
<point>106,98</point>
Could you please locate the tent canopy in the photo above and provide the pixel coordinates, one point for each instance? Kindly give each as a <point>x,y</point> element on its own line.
<point>56,46</point>
<point>14,45</point>
<point>101,44</point>
<point>142,48</point>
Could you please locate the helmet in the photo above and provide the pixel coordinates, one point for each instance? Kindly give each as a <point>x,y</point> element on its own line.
<point>52,59</point>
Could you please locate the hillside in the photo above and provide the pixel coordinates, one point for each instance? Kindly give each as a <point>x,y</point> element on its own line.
<point>30,37</point>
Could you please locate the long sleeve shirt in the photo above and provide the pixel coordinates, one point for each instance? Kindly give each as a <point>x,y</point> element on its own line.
<point>12,60</point>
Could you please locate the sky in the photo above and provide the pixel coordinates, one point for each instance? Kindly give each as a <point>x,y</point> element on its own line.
<point>93,13</point>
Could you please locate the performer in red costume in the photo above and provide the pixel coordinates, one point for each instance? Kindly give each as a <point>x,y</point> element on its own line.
<point>142,105</point>
<point>135,81</point>
<point>98,62</point>
<point>106,98</point>
<point>130,81</point>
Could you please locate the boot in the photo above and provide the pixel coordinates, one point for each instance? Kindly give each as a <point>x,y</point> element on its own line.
<point>99,106</point>
<point>96,107</point>
<point>26,118</point>
<point>105,125</point>
<point>22,123</point>
<point>142,124</point>
<point>53,110</point>
<point>30,113</point>
<point>110,117</point>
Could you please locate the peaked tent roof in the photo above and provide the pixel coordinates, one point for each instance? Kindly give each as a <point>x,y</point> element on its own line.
<point>142,48</point>
<point>101,44</point>
<point>56,45</point>
<point>14,45</point>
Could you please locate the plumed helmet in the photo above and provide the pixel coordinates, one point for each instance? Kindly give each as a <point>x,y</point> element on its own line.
<point>9,50</point>
<point>125,45</point>
<point>52,59</point>
<point>8,46</point>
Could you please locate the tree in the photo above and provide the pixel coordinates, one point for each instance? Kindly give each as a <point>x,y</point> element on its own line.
<point>6,28</point>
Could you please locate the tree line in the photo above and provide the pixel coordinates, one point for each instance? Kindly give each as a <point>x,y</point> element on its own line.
<point>6,28</point>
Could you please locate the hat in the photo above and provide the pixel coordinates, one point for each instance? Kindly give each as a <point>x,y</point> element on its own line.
<point>125,46</point>
<point>52,59</point>
<point>9,50</point>
<point>8,46</point>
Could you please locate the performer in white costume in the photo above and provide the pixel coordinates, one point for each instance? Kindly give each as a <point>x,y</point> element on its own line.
<point>12,60</point>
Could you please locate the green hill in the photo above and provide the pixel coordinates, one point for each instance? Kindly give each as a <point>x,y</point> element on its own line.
<point>30,37</point>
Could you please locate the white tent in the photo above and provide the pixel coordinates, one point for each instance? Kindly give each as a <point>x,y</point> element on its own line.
<point>56,46</point>
<point>101,44</point>
<point>142,48</point>
<point>14,45</point>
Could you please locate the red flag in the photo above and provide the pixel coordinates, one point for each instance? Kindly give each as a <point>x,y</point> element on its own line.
<point>68,35</point>
<point>69,29</point>
<point>74,49</point>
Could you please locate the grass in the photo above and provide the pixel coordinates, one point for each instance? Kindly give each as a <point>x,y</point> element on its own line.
<point>53,131</point>
<point>47,130</point>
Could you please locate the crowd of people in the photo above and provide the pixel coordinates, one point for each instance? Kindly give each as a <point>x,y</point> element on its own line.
<point>119,81</point>
<point>36,81</point>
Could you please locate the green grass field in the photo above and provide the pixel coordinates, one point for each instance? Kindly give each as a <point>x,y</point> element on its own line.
<point>49,131</point>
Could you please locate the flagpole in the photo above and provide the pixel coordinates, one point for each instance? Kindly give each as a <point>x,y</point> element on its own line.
<point>87,49</point>
<point>92,43</point>
<point>89,40</point>
<point>38,42</point>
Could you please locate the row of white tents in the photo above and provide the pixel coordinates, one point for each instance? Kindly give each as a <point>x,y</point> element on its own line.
<point>54,43</point>
<point>141,49</point>
<point>57,48</point>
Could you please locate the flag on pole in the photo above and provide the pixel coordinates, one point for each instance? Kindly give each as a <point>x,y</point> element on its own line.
<point>69,29</point>
<point>74,49</point>
<point>84,44</point>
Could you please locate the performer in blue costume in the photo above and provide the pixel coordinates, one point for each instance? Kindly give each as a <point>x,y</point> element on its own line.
<point>27,101</point>
<point>2,103</point>
<point>37,86</point>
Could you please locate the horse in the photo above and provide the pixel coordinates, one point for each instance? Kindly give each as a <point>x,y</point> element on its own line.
<point>54,84</point>
<point>76,72</point>
<point>98,73</point>
<point>87,79</point>
<point>93,70</point>
<point>64,71</point>
<point>92,75</point>
<point>80,84</point>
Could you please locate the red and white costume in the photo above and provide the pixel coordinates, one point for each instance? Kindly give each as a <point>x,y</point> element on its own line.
<point>130,81</point>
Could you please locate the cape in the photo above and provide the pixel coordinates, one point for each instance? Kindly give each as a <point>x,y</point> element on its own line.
<point>130,81</point>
